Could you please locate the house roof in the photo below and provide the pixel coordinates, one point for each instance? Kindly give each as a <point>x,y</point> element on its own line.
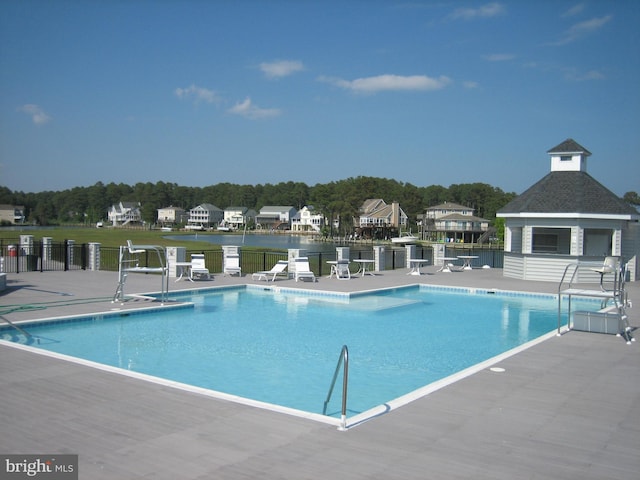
<point>568,193</point>
<point>449,206</point>
<point>384,211</point>
<point>569,146</point>
<point>371,205</point>
<point>459,217</point>
<point>276,209</point>
<point>175,209</point>
<point>130,204</point>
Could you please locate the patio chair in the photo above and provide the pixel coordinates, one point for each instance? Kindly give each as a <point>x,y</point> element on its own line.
<point>302,269</point>
<point>232,265</point>
<point>341,270</point>
<point>278,269</point>
<point>198,268</point>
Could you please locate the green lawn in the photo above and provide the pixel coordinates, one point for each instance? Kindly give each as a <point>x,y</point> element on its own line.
<point>108,237</point>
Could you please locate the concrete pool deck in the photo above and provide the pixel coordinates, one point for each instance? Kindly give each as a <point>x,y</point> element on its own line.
<point>567,407</point>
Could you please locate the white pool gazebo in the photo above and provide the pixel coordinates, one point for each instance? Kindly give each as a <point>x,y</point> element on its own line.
<point>567,217</point>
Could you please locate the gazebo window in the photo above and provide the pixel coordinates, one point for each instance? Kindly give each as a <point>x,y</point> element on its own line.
<point>598,242</point>
<point>551,240</point>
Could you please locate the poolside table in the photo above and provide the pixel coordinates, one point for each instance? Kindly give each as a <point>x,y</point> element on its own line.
<point>445,266</point>
<point>466,259</point>
<point>416,263</point>
<point>182,267</point>
<point>363,267</point>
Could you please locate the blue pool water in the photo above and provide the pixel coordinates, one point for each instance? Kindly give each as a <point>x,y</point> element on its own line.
<point>282,348</point>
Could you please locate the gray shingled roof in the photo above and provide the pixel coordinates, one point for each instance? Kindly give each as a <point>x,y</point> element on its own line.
<point>569,146</point>
<point>568,192</point>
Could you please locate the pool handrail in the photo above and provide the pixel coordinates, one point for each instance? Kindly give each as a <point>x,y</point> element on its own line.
<point>19,329</point>
<point>344,360</point>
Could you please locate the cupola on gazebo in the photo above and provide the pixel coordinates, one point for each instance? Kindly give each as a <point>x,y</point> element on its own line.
<point>567,217</point>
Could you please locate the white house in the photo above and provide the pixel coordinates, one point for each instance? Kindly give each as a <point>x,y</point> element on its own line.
<point>451,222</point>
<point>374,212</point>
<point>172,215</point>
<point>305,220</point>
<point>12,214</point>
<point>567,217</point>
<point>125,213</point>
<point>274,217</point>
<point>204,216</point>
<point>237,217</point>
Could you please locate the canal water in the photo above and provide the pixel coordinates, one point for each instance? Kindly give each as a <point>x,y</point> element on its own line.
<point>280,242</point>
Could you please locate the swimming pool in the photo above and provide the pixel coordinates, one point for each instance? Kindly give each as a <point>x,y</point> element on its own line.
<point>280,346</point>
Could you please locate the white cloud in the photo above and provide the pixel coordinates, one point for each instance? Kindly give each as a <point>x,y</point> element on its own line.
<point>489,10</point>
<point>281,68</point>
<point>576,76</point>
<point>198,94</point>
<point>499,57</point>
<point>583,29</point>
<point>470,84</point>
<point>249,110</point>
<point>38,116</point>
<point>575,10</point>
<point>389,83</point>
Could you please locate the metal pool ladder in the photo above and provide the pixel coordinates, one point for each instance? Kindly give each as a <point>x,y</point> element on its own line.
<point>344,360</point>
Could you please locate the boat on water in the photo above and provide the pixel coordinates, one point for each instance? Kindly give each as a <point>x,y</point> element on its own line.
<point>199,228</point>
<point>405,238</point>
<point>223,227</point>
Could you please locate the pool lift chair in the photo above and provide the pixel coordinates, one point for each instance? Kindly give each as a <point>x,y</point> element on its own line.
<point>609,266</point>
<point>129,262</point>
<point>612,317</point>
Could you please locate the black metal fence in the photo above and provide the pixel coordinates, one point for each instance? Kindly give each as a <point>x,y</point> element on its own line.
<point>40,256</point>
<point>67,255</point>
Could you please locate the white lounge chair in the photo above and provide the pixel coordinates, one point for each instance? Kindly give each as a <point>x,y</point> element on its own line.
<point>232,265</point>
<point>341,270</point>
<point>278,269</point>
<point>198,268</point>
<point>302,269</point>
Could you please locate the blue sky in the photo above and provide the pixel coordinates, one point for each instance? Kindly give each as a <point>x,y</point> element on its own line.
<point>254,92</point>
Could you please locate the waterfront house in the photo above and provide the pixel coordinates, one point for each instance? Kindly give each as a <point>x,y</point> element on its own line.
<point>125,213</point>
<point>567,217</point>
<point>12,214</point>
<point>204,216</point>
<point>451,222</point>
<point>172,216</point>
<point>275,217</point>
<point>377,219</point>
<point>306,220</point>
<point>237,217</point>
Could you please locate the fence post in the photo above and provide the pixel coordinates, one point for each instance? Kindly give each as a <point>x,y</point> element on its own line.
<point>66,255</point>
<point>41,252</point>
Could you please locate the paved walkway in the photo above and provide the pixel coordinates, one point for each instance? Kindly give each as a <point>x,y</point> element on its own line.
<point>567,408</point>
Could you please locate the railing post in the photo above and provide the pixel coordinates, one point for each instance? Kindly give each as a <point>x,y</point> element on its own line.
<point>66,255</point>
<point>83,256</point>
<point>344,360</point>
<point>345,381</point>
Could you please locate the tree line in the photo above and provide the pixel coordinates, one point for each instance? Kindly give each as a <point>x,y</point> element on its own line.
<point>337,199</point>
